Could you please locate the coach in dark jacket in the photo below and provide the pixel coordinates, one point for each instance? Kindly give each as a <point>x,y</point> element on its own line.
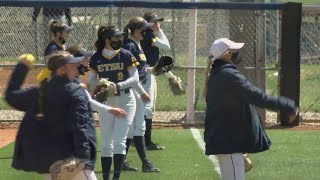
<point>232,124</point>
<point>61,126</point>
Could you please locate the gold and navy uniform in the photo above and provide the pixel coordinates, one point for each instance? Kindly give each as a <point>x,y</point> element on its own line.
<point>139,55</point>
<point>152,52</point>
<point>115,68</point>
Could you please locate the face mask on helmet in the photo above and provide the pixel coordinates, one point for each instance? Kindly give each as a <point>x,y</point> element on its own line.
<point>236,58</point>
<point>82,69</point>
<point>116,44</point>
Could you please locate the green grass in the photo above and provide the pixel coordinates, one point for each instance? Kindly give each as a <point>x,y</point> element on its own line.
<point>181,160</point>
<point>4,104</point>
<point>293,156</point>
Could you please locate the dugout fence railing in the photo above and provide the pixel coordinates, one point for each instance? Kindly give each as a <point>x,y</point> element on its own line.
<point>190,28</point>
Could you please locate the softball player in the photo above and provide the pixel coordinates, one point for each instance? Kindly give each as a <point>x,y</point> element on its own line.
<point>78,51</point>
<point>119,66</point>
<point>132,43</point>
<point>59,34</point>
<point>154,39</point>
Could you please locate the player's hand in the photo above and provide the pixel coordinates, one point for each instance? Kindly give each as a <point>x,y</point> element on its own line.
<point>118,112</point>
<point>145,98</point>
<point>27,59</point>
<point>156,26</point>
<point>293,116</point>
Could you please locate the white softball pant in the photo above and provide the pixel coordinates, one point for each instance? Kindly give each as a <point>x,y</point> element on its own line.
<point>114,130</point>
<point>83,175</point>
<point>138,126</point>
<point>151,88</point>
<point>231,166</point>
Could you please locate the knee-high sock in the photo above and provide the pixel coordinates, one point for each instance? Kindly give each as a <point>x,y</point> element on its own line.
<point>118,162</point>
<point>147,134</point>
<point>140,146</point>
<point>106,163</point>
<point>128,143</point>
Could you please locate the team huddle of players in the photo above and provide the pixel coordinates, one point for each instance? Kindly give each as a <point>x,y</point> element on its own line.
<point>126,58</point>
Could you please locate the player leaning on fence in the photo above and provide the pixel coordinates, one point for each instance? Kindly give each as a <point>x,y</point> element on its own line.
<point>58,123</point>
<point>232,124</point>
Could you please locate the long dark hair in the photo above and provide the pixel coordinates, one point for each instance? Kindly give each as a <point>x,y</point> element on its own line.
<point>102,36</point>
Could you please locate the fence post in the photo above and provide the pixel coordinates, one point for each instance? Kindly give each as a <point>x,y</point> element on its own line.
<point>290,56</point>
<point>191,62</point>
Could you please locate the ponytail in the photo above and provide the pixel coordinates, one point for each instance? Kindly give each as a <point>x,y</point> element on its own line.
<point>100,43</point>
<point>127,31</point>
<point>51,25</point>
<point>41,100</point>
<point>206,76</point>
<point>54,26</point>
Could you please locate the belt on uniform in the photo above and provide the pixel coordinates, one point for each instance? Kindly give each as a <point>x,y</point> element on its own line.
<point>122,92</point>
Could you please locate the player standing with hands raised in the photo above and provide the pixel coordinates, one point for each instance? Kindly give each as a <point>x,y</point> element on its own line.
<point>154,39</point>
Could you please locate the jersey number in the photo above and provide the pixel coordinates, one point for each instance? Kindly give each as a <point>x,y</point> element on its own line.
<point>120,76</point>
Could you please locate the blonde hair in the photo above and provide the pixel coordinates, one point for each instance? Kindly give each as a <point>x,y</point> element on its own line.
<point>206,76</point>
<point>133,24</point>
<point>53,58</point>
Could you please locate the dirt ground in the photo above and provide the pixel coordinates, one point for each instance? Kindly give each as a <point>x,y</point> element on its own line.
<point>7,136</point>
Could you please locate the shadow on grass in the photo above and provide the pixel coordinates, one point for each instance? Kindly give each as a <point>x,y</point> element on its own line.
<point>6,157</point>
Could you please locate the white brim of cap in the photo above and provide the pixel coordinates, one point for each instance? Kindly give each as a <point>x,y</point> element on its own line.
<point>74,60</point>
<point>236,46</point>
<point>68,29</point>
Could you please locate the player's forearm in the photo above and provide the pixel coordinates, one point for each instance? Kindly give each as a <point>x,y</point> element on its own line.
<point>138,87</point>
<point>96,106</point>
<point>162,41</point>
<point>131,81</point>
<point>92,81</point>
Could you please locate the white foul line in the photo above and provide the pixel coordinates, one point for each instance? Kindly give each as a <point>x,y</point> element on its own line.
<point>196,135</point>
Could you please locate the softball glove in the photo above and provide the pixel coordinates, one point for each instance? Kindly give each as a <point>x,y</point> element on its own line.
<point>104,90</point>
<point>66,169</point>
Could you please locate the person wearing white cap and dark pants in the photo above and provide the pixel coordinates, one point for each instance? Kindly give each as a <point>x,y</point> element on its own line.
<point>232,124</point>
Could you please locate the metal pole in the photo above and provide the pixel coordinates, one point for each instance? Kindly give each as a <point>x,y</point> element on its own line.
<point>191,62</point>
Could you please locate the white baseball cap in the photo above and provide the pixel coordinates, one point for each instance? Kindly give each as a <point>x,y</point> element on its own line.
<point>220,46</point>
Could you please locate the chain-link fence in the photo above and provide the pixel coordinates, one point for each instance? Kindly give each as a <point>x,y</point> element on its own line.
<point>258,28</point>
<point>310,63</point>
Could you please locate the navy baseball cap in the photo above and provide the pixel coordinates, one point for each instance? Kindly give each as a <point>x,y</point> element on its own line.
<point>114,32</point>
<point>55,63</point>
<point>152,17</point>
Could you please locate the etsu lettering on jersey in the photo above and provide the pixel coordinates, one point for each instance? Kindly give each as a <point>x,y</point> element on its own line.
<point>110,67</point>
<point>114,68</point>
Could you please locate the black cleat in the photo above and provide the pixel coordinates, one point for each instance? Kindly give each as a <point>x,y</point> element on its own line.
<point>154,146</point>
<point>149,167</point>
<point>127,167</point>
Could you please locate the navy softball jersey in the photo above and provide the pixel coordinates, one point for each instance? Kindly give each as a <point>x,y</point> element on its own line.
<point>52,47</point>
<point>114,68</point>
<point>138,53</point>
